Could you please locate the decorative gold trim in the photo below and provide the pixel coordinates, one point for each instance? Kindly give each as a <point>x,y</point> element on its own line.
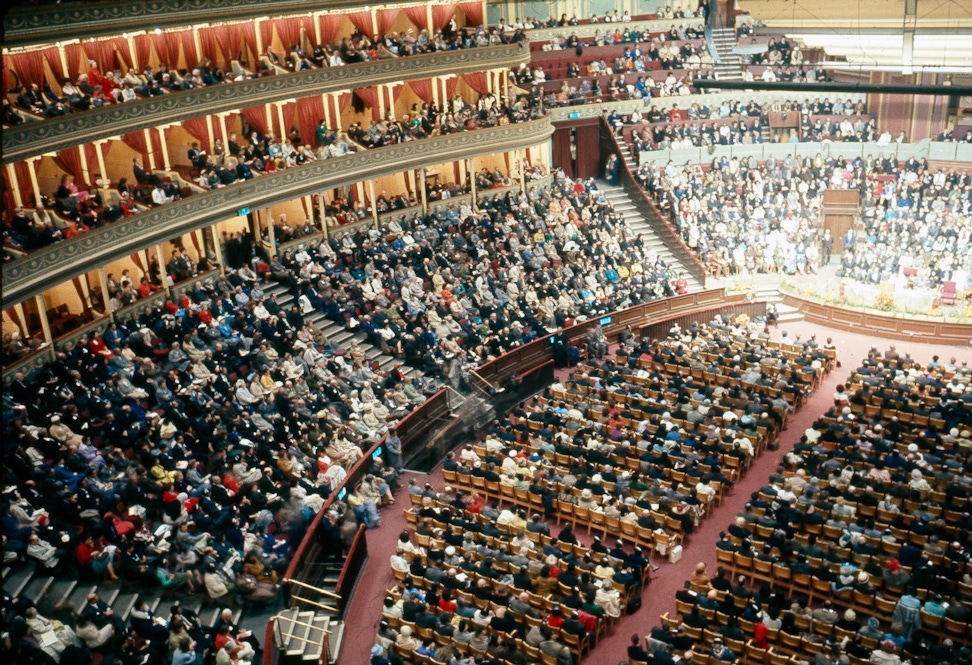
<point>41,270</point>
<point>36,138</point>
<point>27,25</point>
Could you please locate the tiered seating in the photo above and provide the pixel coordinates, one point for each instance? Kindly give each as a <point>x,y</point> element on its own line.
<point>633,408</point>
<point>543,545</point>
<point>891,458</point>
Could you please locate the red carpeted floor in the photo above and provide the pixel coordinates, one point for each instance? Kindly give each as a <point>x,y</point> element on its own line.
<point>364,612</point>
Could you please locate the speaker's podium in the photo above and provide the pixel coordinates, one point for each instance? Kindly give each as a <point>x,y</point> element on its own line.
<point>840,208</point>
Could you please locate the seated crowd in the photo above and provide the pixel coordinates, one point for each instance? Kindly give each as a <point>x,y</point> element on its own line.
<point>458,287</point>
<point>74,210</point>
<point>735,122</point>
<point>742,218</point>
<point>858,542</point>
<point>478,583</point>
<point>97,89</point>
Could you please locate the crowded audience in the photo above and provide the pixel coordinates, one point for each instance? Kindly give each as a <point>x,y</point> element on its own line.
<point>858,543</point>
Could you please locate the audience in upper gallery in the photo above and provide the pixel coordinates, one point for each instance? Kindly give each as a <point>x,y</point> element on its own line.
<point>743,218</point>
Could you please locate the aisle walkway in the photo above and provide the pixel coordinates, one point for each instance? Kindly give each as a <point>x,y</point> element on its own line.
<point>364,612</point>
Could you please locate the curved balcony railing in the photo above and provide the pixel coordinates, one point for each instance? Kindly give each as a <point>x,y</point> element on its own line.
<point>41,270</point>
<point>37,138</point>
<point>29,25</point>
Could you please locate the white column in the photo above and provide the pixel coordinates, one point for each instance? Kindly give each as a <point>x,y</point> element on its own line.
<point>259,38</point>
<point>101,159</point>
<point>85,173</point>
<point>33,180</point>
<point>268,114</point>
<point>326,102</point>
<point>14,184</point>
<point>42,315</point>
<point>280,122</point>
<point>165,148</point>
<point>149,149</point>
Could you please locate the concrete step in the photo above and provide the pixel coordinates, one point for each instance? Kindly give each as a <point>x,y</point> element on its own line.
<point>335,640</point>
<point>18,577</point>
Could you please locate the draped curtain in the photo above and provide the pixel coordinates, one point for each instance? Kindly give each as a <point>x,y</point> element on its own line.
<point>330,26</point>
<point>289,112</point>
<point>103,53</point>
<point>256,118</point>
<point>362,21</point>
<point>451,86</point>
<point>288,30</point>
<point>136,141</point>
<point>157,146</point>
<point>77,60</point>
<point>29,66</point>
<point>473,12</point>
<point>477,82</point>
<point>370,97</point>
<point>417,16</point>
<point>198,129</point>
<point>386,19</point>
<point>442,14</point>
<point>172,41</point>
<point>210,46</point>
<point>189,53</point>
<point>69,161</point>
<point>23,183</point>
<point>310,111</point>
<point>423,89</point>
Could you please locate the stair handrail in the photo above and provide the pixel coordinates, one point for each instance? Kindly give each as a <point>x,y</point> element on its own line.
<point>280,617</point>
<point>315,604</point>
<point>671,238</point>
<point>323,592</point>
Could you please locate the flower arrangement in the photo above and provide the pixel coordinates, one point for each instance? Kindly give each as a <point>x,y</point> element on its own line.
<point>742,320</point>
<point>935,310</point>
<point>884,302</point>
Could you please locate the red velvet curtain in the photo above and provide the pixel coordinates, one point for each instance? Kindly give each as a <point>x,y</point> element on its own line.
<point>370,97</point>
<point>473,12</point>
<point>362,21</point>
<point>344,101</point>
<point>23,183</point>
<point>171,41</point>
<point>77,60</point>
<point>477,82</point>
<point>29,66</point>
<point>136,141</point>
<point>423,89</point>
<point>330,26</point>
<point>210,47</point>
<point>442,14</point>
<point>103,53</point>
<point>157,146</point>
<point>123,54</point>
<point>8,81</point>
<point>451,86</point>
<point>386,19</point>
<point>256,118</point>
<point>189,49</point>
<point>417,16</point>
<point>69,161</point>
<point>289,112</point>
<point>288,30</point>
<point>198,129</point>
<point>310,111</point>
<point>161,43</point>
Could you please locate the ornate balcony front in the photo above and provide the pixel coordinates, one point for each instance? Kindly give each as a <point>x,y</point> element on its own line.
<point>41,270</point>
<point>36,138</point>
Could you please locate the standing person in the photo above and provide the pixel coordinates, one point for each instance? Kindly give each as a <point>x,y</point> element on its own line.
<point>393,449</point>
<point>826,246</point>
<point>611,170</point>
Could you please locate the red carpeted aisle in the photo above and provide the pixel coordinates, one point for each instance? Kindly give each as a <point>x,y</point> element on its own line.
<point>364,611</point>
